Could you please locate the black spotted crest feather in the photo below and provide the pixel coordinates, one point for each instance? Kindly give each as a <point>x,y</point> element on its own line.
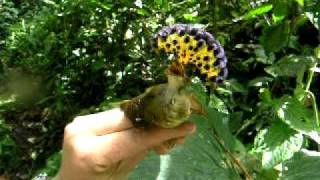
<point>197,53</point>
<point>195,49</point>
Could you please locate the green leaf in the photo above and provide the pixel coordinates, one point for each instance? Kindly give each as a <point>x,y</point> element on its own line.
<point>190,16</point>
<point>237,87</point>
<point>217,103</point>
<point>142,12</point>
<point>164,4</point>
<point>265,96</point>
<point>281,9</point>
<point>198,90</point>
<point>237,118</point>
<point>260,81</point>
<point>303,165</point>
<point>290,65</point>
<point>268,174</point>
<point>277,144</point>
<point>312,15</point>
<point>296,115</point>
<point>50,2</point>
<point>317,52</point>
<point>278,133</point>
<point>258,11</point>
<point>6,101</point>
<point>8,147</point>
<point>262,57</point>
<point>219,121</point>
<point>276,37</point>
<point>300,2</point>
<point>200,157</point>
<point>105,6</point>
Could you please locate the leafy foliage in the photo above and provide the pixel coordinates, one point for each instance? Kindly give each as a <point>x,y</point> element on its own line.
<point>201,155</point>
<point>63,58</point>
<point>301,166</point>
<point>8,148</point>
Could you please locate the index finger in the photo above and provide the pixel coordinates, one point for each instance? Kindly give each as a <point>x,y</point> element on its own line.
<point>115,147</point>
<point>102,123</point>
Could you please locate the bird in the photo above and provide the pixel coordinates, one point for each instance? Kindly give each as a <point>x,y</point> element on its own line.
<point>166,105</point>
<point>196,53</point>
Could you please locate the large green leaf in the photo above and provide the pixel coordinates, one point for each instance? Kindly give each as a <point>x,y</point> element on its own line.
<point>217,103</point>
<point>271,158</point>
<point>278,133</point>
<point>281,9</point>
<point>268,174</point>
<point>296,115</point>
<point>290,65</point>
<point>276,37</point>
<point>300,2</point>
<point>303,165</point>
<point>220,123</point>
<point>258,11</point>
<point>277,144</point>
<point>200,157</point>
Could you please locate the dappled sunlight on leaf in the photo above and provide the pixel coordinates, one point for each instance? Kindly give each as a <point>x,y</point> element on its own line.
<point>296,115</point>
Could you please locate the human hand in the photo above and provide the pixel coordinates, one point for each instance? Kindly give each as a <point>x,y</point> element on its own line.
<point>107,146</point>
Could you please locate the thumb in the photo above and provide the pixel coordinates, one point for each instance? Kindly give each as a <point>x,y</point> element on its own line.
<point>156,136</point>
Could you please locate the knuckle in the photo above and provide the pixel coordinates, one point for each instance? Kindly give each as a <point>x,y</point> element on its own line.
<point>100,164</point>
<point>78,119</point>
<point>70,130</point>
<point>100,167</point>
<point>82,152</point>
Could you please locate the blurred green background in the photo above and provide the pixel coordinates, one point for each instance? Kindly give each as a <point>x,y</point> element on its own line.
<point>63,58</point>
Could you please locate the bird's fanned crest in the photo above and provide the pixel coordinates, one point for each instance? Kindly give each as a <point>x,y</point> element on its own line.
<point>195,49</point>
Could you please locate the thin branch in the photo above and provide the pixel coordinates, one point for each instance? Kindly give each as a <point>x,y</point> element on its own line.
<point>307,90</point>
<point>247,123</point>
<point>315,108</point>
<point>232,157</point>
<point>310,76</point>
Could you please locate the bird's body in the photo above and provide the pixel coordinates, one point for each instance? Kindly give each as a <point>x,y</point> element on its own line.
<point>165,105</point>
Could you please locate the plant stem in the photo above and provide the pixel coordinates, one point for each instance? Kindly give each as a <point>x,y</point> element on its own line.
<point>307,90</point>
<point>232,157</point>
<point>315,108</point>
<point>247,123</point>
<point>310,76</point>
